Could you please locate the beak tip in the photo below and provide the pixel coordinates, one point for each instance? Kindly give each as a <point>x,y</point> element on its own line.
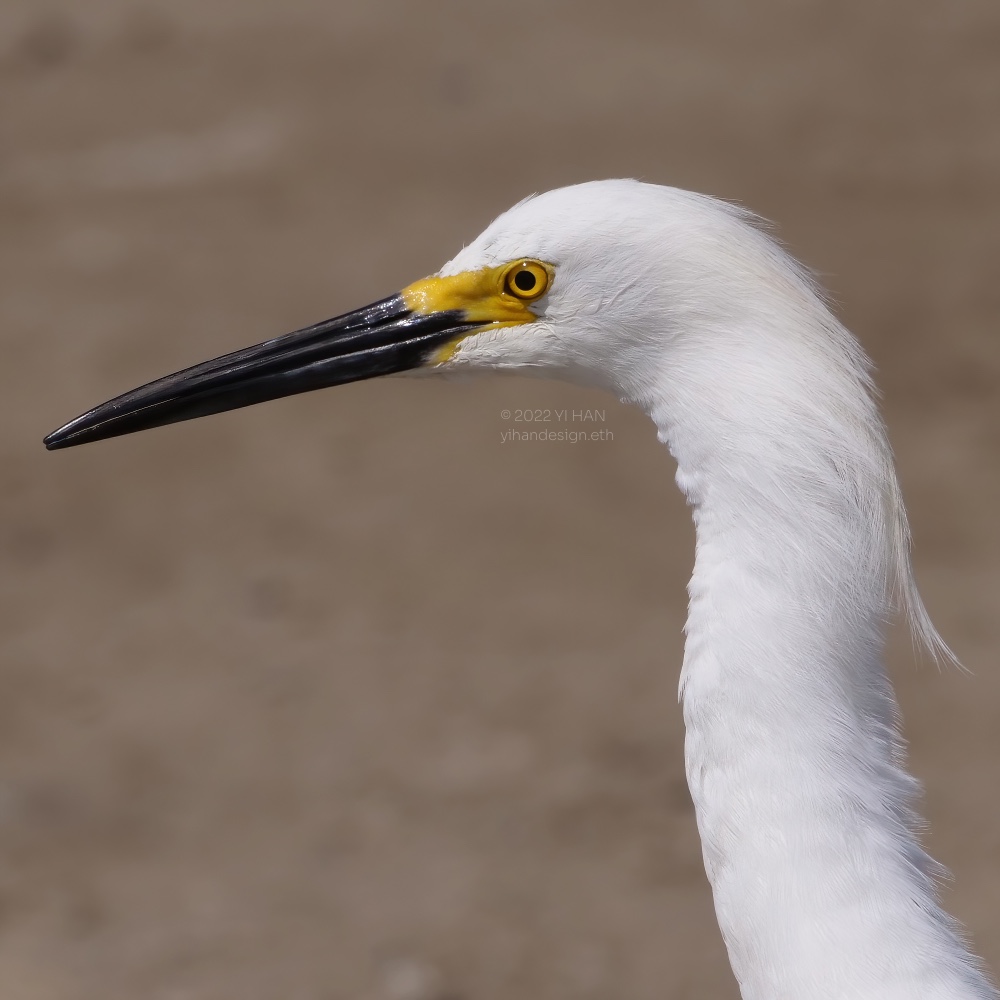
<point>62,437</point>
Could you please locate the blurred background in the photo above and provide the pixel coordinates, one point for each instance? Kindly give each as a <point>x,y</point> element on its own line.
<point>340,697</point>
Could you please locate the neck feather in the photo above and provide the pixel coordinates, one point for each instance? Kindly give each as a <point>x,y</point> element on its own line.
<point>793,756</point>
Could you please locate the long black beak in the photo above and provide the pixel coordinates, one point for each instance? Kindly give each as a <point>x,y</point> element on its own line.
<point>379,339</point>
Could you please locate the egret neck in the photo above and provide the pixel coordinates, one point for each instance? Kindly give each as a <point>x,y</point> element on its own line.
<point>792,751</point>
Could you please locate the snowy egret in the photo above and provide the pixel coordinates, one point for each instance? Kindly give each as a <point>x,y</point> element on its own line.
<point>681,305</point>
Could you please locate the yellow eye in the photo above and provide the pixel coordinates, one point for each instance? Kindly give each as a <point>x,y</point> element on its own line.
<point>526,279</point>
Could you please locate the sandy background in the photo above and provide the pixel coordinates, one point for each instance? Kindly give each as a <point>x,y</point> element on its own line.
<point>340,697</point>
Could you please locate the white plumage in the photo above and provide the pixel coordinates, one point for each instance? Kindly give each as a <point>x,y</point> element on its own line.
<point>684,307</point>
<point>681,305</point>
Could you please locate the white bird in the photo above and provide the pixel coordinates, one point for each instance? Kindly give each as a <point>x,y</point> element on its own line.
<point>682,305</point>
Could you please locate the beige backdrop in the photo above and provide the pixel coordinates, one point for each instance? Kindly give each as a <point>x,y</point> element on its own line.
<point>340,698</point>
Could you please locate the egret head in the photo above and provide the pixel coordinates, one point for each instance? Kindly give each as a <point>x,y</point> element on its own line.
<point>588,263</point>
<point>571,284</point>
<point>671,300</point>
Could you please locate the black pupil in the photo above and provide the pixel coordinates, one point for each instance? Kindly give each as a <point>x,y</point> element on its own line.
<point>524,280</point>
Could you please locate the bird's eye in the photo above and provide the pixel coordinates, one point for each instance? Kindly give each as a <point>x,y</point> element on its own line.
<point>526,279</point>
